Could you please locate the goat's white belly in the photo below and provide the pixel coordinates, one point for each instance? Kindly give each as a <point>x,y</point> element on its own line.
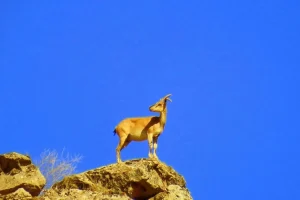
<point>138,136</point>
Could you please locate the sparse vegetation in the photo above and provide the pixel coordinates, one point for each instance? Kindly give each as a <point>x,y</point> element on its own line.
<point>55,166</point>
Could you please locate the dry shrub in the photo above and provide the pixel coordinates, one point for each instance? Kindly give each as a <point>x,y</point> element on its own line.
<point>56,166</point>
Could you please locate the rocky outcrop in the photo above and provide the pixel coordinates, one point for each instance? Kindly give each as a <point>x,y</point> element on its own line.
<point>134,179</point>
<point>19,178</point>
<point>19,194</point>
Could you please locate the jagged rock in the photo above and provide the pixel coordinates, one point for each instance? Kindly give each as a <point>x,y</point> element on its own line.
<point>134,179</point>
<point>174,192</point>
<point>71,194</point>
<point>16,172</point>
<point>18,195</point>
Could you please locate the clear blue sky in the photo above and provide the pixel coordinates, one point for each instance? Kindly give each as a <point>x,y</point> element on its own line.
<point>71,70</point>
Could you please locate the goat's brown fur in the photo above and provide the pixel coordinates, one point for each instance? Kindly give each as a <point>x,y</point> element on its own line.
<point>143,128</point>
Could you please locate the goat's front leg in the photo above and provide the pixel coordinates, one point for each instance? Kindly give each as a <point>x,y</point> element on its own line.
<point>155,147</point>
<point>150,142</point>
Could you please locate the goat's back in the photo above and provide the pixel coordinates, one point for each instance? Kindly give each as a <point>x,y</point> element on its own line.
<point>136,125</point>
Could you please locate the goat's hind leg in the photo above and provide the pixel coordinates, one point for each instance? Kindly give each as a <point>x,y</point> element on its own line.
<point>120,147</point>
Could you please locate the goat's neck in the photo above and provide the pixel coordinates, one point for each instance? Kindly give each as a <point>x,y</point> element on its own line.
<point>163,118</point>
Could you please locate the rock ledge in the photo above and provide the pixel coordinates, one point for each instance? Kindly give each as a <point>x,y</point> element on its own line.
<point>19,178</point>
<point>138,179</point>
<point>133,179</point>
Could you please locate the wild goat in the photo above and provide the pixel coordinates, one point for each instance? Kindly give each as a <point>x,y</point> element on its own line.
<point>143,128</point>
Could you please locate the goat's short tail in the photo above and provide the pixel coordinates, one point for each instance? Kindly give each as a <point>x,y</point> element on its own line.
<point>115,131</point>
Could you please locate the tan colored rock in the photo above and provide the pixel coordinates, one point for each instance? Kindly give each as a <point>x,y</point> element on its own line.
<point>174,192</point>
<point>138,179</point>
<point>71,194</point>
<point>134,179</point>
<point>18,195</point>
<point>17,171</point>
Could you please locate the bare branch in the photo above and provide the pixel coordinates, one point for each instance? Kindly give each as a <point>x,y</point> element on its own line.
<point>55,167</point>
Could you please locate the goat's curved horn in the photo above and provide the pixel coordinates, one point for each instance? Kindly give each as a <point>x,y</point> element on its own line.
<point>167,97</point>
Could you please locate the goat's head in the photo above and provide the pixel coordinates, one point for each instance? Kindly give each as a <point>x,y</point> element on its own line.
<point>160,106</point>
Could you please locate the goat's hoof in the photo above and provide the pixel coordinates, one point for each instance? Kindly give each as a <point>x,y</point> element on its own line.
<point>155,161</point>
<point>152,159</point>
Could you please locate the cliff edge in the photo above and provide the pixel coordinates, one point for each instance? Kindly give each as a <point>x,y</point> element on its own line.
<point>134,179</point>
<point>19,178</point>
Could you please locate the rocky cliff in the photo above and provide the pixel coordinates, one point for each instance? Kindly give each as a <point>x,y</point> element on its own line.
<point>134,179</point>
<point>19,178</point>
